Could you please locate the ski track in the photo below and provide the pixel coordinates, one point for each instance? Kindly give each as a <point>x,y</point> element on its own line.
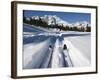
<point>38,54</point>
<point>77,57</point>
<point>34,54</point>
<point>83,43</point>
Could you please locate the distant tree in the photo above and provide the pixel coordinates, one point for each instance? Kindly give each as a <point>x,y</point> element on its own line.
<point>24,19</point>
<point>67,28</point>
<point>88,28</point>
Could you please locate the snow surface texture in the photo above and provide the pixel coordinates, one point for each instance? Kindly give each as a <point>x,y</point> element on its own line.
<point>43,48</point>
<point>77,55</point>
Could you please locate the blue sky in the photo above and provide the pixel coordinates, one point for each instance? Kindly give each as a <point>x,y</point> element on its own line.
<point>70,17</point>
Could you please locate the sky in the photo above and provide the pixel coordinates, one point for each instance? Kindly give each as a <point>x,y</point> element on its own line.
<point>70,17</point>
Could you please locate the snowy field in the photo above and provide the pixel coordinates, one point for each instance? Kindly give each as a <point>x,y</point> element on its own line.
<point>43,48</point>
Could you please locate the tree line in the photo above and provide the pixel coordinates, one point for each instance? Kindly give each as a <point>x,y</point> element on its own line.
<point>40,22</point>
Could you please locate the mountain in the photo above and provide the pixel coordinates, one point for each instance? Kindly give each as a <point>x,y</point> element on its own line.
<point>82,24</point>
<point>53,19</point>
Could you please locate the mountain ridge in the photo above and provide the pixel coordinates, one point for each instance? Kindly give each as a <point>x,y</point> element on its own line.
<point>53,19</point>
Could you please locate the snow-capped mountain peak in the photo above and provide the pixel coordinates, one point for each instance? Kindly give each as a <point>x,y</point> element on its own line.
<point>82,24</point>
<point>54,19</point>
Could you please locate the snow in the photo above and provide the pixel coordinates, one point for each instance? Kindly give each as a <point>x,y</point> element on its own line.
<point>54,19</point>
<point>79,50</point>
<point>56,56</point>
<point>83,43</point>
<point>68,59</point>
<point>37,52</point>
<point>34,54</point>
<point>82,23</point>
